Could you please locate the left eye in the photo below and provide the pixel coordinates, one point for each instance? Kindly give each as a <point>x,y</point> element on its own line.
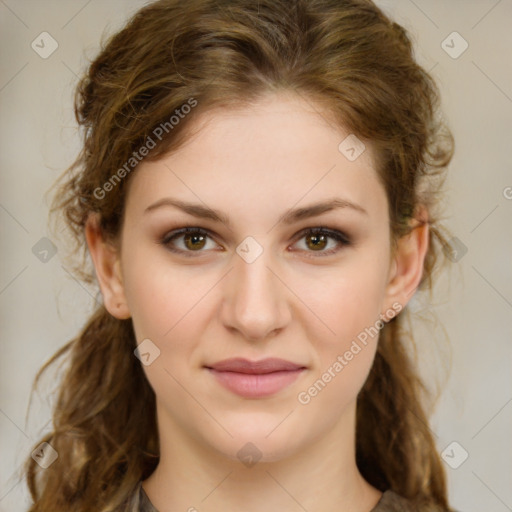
<point>318,237</point>
<point>194,240</point>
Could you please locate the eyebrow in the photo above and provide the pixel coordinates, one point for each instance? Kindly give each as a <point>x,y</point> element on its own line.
<point>289,217</point>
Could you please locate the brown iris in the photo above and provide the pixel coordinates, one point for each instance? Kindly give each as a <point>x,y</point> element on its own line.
<point>317,240</point>
<point>194,238</point>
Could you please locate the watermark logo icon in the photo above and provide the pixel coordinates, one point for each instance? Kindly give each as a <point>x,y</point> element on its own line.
<point>249,455</point>
<point>146,352</point>
<point>45,455</point>
<point>351,147</point>
<point>455,249</point>
<point>44,250</point>
<point>454,455</point>
<point>454,45</point>
<point>249,250</point>
<point>44,45</point>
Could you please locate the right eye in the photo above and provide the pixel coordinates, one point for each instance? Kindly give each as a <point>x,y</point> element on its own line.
<point>193,238</point>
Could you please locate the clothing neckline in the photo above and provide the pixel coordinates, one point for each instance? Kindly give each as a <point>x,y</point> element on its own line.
<point>386,497</point>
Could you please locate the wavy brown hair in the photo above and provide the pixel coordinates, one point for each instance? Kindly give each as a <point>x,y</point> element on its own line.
<point>348,56</point>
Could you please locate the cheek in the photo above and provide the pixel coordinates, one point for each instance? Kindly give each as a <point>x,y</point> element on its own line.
<point>157,295</point>
<point>347,302</point>
<point>346,338</point>
<point>345,357</point>
<point>339,382</point>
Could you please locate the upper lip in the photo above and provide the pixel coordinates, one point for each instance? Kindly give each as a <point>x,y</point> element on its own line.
<point>241,365</point>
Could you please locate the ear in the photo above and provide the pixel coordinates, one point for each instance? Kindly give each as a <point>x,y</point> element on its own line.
<point>406,269</point>
<point>107,264</point>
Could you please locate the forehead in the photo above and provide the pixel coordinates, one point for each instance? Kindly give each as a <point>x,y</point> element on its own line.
<point>281,151</point>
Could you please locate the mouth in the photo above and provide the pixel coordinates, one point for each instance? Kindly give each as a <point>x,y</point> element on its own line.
<point>255,379</point>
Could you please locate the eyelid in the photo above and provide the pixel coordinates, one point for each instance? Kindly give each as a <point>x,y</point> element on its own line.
<point>332,232</point>
<point>178,232</point>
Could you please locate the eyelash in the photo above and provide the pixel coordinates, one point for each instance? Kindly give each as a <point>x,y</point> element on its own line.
<point>339,236</point>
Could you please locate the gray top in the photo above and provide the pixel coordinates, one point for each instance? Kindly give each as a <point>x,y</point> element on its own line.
<point>389,502</point>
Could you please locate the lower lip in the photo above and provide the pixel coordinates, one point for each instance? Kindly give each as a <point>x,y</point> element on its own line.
<point>255,385</point>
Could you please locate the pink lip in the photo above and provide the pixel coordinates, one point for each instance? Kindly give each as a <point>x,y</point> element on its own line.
<point>255,379</point>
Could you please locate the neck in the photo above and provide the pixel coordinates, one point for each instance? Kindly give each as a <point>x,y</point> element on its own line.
<point>322,477</point>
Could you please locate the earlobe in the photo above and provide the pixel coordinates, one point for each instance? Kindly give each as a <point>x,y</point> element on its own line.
<point>407,265</point>
<point>107,265</point>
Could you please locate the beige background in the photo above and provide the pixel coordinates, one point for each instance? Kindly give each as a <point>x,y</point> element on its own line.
<point>42,306</point>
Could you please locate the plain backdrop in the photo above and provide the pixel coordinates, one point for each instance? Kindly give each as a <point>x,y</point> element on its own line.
<point>42,306</point>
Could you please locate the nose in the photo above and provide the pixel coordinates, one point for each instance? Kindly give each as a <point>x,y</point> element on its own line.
<point>255,299</point>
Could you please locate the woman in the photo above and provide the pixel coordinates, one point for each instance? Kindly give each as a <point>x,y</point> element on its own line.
<point>257,193</point>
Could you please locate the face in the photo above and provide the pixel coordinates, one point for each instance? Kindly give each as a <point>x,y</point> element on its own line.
<point>275,278</point>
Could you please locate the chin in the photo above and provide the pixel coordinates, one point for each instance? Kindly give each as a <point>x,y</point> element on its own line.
<point>260,443</point>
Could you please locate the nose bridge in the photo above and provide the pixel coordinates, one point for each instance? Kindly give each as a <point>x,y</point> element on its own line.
<point>255,303</point>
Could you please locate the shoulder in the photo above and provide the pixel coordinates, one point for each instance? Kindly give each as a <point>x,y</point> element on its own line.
<point>393,502</point>
<point>138,501</point>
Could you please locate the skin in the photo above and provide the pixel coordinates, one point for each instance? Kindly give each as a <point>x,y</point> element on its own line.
<point>292,302</point>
